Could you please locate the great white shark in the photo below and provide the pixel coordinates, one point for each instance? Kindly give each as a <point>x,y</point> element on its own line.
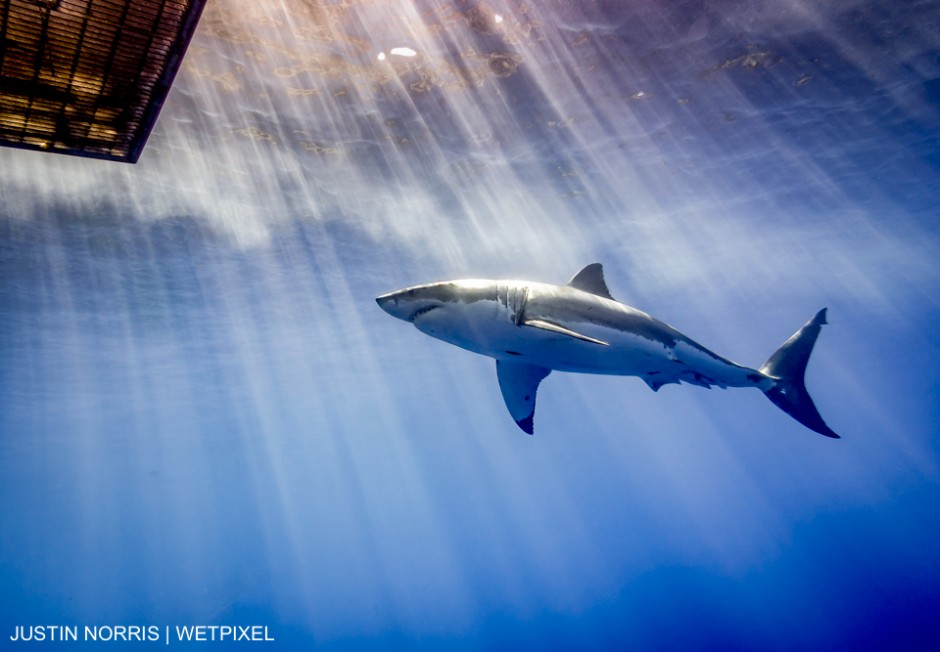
<point>532,329</point>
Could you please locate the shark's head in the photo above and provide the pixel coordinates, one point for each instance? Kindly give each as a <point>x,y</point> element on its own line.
<point>412,303</point>
<point>449,310</point>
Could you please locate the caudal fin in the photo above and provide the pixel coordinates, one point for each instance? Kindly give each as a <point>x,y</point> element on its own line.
<point>788,367</point>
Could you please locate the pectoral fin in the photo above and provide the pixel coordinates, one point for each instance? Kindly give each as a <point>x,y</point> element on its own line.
<point>555,328</point>
<point>519,382</point>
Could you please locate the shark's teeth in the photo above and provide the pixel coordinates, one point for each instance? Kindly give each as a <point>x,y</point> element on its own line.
<point>421,311</point>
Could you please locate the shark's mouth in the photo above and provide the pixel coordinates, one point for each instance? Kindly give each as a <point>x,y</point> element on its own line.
<point>421,311</point>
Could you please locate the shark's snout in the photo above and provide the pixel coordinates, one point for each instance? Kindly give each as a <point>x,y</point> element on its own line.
<point>388,303</point>
<point>383,300</point>
<point>401,304</point>
<point>408,304</point>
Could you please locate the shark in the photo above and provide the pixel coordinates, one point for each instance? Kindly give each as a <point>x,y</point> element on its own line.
<point>532,329</point>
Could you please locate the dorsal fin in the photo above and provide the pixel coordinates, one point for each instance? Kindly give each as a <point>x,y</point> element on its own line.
<point>591,279</point>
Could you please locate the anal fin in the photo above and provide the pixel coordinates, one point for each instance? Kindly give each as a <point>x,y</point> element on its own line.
<point>654,384</point>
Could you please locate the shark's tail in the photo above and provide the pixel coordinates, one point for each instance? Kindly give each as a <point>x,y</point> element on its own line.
<point>788,366</point>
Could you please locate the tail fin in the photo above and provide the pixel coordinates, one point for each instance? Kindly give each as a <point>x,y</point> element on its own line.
<point>788,366</point>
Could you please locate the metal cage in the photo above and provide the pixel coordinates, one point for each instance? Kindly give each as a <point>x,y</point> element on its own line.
<point>89,77</point>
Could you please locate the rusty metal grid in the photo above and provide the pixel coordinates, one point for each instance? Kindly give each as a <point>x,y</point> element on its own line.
<point>88,77</point>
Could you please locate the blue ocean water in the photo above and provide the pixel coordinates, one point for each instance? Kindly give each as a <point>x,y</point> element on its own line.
<point>205,420</point>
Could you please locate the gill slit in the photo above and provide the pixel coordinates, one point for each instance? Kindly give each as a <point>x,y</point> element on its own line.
<point>519,312</point>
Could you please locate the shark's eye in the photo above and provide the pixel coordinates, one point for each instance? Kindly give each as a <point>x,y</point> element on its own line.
<point>411,293</point>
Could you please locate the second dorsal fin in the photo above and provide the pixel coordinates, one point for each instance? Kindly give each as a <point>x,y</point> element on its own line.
<point>591,279</point>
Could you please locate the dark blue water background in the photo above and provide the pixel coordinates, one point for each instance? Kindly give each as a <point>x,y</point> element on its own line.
<point>205,419</point>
